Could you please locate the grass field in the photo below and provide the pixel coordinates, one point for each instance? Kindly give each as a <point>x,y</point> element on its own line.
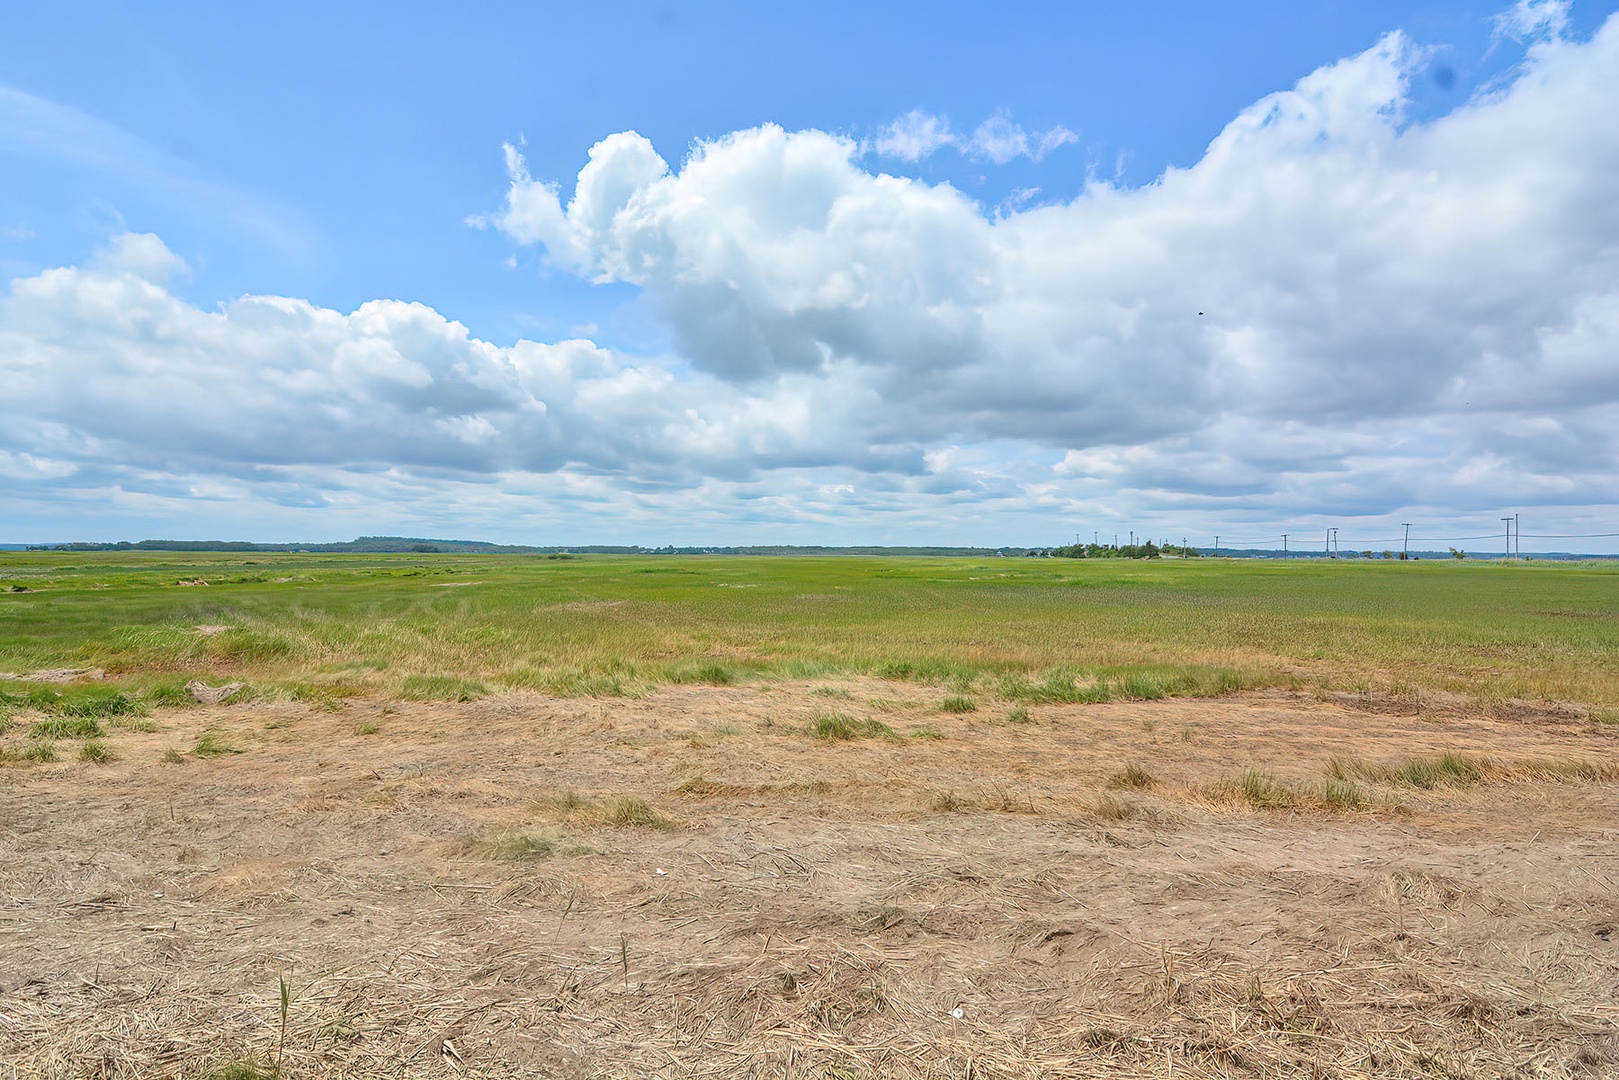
<point>807,818</point>
<point>455,627</point>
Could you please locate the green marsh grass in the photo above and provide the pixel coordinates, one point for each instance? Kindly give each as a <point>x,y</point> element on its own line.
<point>42,751</point>
<point>1027,631</point>
<point>211,744</point>
<point>1456,770</point>
<point>66,727</point>
<point>838,726</point>
<point>96,751</point>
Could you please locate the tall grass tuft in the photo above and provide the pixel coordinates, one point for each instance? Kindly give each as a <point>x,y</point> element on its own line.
<point>96,751</point>
<point>628,811</point>
<point>66,727</point>
<point>708,674</point>
<point>1448,769</point>
<point>441,688</point>
<point>1343,794</point>
<point>211,744</point>
<point>1132,777</point>
<point>837,726</point>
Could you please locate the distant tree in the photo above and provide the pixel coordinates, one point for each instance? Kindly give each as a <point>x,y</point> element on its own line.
<point>1457,553</point>
<point>1388,554</point>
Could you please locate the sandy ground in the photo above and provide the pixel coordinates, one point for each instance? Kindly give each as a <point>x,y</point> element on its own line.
<point>447,894</point>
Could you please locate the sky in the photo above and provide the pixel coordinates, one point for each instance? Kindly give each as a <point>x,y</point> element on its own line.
<point>716,273</point>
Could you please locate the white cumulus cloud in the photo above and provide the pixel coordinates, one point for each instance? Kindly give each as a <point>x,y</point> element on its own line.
<point>1336,310</point>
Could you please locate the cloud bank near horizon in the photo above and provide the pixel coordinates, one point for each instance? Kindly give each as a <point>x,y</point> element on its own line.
<point>1335,311</point>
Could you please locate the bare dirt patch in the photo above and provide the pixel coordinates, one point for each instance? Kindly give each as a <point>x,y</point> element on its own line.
<point>691,884</point>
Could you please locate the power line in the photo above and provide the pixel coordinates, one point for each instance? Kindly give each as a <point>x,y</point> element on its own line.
<point>1568,536</point>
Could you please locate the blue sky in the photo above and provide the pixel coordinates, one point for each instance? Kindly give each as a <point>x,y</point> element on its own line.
<point>915,274</point>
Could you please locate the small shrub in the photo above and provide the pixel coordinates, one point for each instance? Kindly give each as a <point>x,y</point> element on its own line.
<point>96,751</point>
<point>43,750</point>
<point>947,802</point>
<point>367,727</point>
<point>1132,777</point>
<point>172,756</point>
<point>1019,715</point>
<point>956,703</point>
<point>927,732</point>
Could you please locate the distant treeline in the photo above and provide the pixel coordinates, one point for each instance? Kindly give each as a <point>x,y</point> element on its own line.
<point>1149,550</point>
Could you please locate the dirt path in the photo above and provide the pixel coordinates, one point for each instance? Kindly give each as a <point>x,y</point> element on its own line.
<point>691,885</point>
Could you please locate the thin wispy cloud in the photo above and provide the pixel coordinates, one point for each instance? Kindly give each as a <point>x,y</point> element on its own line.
<point>33,127</point>
<point>1528,19</point>
<point>919,134</point>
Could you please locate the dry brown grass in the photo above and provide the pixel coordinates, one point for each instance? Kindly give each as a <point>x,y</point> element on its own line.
<point>522,886</point>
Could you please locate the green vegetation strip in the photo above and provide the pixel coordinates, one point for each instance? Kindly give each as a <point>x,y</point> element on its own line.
<point>452,627</point>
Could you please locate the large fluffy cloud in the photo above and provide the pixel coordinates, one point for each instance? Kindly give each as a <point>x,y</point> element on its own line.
<point>1335,311</point>
<point>1326,263</point>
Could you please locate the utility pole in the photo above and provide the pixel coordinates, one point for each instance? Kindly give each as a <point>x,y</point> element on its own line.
<point>1517,531</point>
<point>1509,536</point>
<point>1405,552</point>
<point>1216,545</point>
<point>1284,545</point>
